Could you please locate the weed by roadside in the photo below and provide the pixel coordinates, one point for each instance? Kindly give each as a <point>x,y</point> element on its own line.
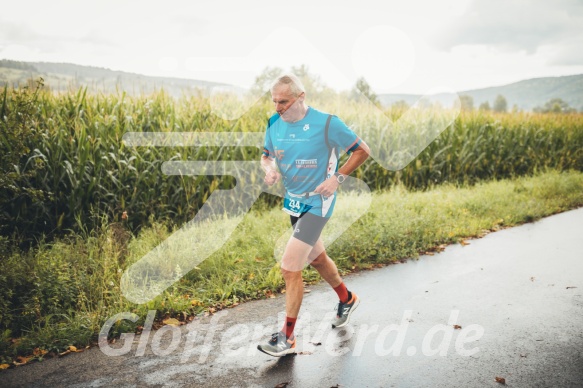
<point>59,294</point>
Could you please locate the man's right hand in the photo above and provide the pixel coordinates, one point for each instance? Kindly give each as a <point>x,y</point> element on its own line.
<point>272,177</point>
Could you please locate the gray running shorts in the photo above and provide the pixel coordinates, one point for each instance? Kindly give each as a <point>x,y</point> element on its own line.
<point>308,227</point>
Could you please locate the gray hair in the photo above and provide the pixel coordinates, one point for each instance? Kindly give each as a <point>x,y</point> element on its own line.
<point>295,85</point>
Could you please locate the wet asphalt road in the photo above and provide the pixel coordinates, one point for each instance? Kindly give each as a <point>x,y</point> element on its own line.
<point>517,295</point>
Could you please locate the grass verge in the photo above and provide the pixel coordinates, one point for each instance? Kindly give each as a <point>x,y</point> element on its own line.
<point>59,295</point>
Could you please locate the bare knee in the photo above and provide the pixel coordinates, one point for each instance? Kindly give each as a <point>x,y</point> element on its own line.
<point>320,260</point>
<point>291,275</point>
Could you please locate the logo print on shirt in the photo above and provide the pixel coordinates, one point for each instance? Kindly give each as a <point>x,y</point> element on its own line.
<point>306,127</point>
<point>292,135</point>
<point>279,154</point>
<point>306,163</point>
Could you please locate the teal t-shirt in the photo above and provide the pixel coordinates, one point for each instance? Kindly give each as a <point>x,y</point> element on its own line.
<point>305,160</point>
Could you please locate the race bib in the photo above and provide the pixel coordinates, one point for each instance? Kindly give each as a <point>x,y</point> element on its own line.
<point>294,207</point>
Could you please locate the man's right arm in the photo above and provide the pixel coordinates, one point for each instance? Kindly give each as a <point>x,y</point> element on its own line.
<point>271,174</point>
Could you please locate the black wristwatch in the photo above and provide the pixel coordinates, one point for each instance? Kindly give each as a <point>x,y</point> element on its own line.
<point>340,177</point>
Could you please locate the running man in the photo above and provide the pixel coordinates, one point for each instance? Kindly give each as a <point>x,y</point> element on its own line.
<point>302,146</point>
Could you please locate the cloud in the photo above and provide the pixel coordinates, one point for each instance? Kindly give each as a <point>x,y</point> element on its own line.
<point>569,53</point>
<point>21,38</point>
<point>16,33</point>
<point>517,25</point>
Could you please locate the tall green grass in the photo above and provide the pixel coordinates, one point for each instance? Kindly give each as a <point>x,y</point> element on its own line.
<point>84,171</point>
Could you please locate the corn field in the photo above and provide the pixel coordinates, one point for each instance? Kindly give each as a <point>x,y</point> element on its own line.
<point>75,170</point>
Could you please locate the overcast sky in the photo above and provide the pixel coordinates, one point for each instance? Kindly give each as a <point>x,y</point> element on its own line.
<point>411,46</point>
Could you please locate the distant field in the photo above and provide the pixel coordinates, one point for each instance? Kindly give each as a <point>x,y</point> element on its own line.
<point>525,95</point>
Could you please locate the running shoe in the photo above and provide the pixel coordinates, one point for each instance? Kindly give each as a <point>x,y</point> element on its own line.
<point>278,345</point>
<point>344,310</point>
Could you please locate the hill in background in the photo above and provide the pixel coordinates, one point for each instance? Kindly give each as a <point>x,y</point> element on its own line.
<point>526,94</point>
<point>65,76</point>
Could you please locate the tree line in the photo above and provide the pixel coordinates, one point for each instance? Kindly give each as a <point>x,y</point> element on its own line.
<point>554,105</point>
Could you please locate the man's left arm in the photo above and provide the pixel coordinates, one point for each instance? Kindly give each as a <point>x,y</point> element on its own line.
<point>357,157</point>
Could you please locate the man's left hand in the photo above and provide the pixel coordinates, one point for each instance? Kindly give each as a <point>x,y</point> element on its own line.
<point>328,187</point>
